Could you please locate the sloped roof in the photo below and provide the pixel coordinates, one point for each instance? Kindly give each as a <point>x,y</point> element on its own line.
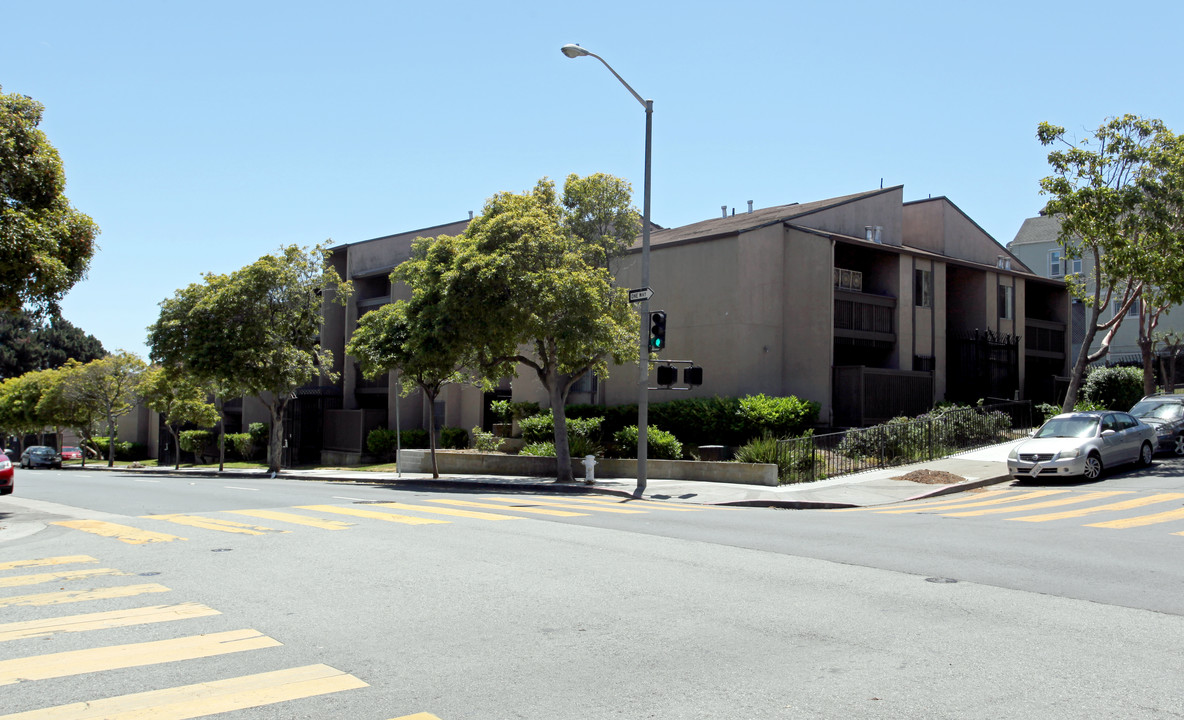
<point>1042,229</point>
<point>744,222</point>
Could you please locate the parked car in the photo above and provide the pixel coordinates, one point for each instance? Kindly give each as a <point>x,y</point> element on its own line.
<point>40,456</point>
<point>1083,443</point>
<point>7,479</point>
<point>71,452</point>
<point>12,455</point>
<point>1165,413</point>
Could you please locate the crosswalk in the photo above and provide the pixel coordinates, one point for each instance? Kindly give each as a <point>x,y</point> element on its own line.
<point>1109,509</point>
<point>21,663</point>
<point>158,528</point>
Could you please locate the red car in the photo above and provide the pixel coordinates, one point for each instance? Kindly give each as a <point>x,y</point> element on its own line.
<point>6,475</point>
<point>70,452</point>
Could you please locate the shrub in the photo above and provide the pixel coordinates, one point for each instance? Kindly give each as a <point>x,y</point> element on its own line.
<point>794,459</point>
<point>242,443</point>
<point>454,438</point>
<point>660,445</point>
<point>776,416</point>
<point>520,410</point>
<point>935,433</point>
<point>194,441</point>
<point>381,442</point>
<point>1113,388</point>
<point>541,428</point>
<point>124,451</point>
<point>260,434</point>
<point>502,411</point>
<point>415,439</point>
<point>485,441</point>
<point>539,449</point>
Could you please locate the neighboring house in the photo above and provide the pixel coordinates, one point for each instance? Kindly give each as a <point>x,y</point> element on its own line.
<point>1036,245</point>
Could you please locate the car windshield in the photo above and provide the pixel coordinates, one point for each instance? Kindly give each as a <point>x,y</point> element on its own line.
<point>41,451</point>
<point>1162,411</point>
<point>1069,427</point>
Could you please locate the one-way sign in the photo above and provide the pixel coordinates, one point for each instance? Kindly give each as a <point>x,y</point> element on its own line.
<point>640,295</point>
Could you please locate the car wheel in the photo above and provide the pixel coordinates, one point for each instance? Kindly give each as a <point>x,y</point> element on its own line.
<point>1093,467</point>
<point>1178,447</point>
<point>1145,455</point>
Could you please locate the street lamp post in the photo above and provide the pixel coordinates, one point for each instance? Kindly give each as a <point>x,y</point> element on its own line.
<point>574,51</point>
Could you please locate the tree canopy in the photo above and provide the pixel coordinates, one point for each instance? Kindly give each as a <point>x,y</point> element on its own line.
<point>530,286</point>
<point>255,331</point>
<point>1113,193</point>
<point>29,343</point>
<point>45,243</point>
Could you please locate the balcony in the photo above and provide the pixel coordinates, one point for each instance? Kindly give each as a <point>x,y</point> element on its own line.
<point>861,316</point>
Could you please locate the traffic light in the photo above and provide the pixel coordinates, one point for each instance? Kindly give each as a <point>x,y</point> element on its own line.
<point>693,375</point>
<point>657,330</point>
<point>666,375</point>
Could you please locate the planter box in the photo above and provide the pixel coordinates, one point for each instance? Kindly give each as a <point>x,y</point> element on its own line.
<point>469,463</point>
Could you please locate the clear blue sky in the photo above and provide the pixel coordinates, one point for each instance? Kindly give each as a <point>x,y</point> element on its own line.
<point>200,136</point>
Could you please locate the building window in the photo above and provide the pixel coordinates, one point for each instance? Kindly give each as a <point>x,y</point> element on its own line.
<point>923,288</point>
<point>1006,302</point>
<point>1131,312</point>
<point>1054,264</point>
<point>923,363</point>
<point>849,280</point>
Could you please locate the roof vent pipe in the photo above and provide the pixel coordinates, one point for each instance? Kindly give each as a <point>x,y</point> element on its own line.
<point>879,230</point>
<point>749,207</point>
<point>470,216</point>
<point>869,233</point>
<point>724,209</point>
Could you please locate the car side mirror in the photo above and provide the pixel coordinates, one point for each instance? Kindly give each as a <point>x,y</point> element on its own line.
<point>1107,433</point>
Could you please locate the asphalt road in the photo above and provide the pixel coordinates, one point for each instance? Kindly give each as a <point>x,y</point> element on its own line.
<point>331,602</point>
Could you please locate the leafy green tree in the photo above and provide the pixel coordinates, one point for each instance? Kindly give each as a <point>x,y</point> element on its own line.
<point>255,331</point>
<point>180,400</point>
<point>1099,192</point>
<point>64,403</point>
<point>46,245</point>
<point>416,337</point>
<point>19,404</point>
<point>110,384</point>
<point>530,286</point>
<point>29,343</point>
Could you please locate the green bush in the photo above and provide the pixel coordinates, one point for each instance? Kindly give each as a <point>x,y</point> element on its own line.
<point>202,443</point>
<point>1113,388</point>
<point>485,441</point>
<point>660,445</point>
<point>502,411</point>
<point>124,451</point>
<point>381,442</point>
<point>794,458</point>
<point>541,428</point>
<point>544,448</point>
<point>260,434</point>
<point>933,434</point>
<point>454,438</point>
<point>243,444</point>
<point>777,416</point>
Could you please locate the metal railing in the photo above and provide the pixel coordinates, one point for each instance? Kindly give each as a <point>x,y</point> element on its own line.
<point>938,434</point>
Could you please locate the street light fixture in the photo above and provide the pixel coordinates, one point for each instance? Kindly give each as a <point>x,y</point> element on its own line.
<point>575,51</point>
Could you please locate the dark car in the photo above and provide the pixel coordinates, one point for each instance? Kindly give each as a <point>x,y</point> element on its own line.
<point>6,475</point>
<point>40,456</point>
<point>1165,413</point>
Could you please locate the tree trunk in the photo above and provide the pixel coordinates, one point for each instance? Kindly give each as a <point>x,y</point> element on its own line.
<point>1148,366</point>
<point>275,447</point>
<point>562,448</point>
<point>431,429</point>
<point>176,447</point>
<point>221,435</point>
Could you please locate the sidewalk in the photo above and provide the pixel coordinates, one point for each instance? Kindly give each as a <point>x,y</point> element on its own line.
<point>978,468</point>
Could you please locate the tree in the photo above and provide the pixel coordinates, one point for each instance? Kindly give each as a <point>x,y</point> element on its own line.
<point>255,331</point>
<point>1098,190</point>
<point>19,400</point>
<point>180,400</point>
<point>416,337</point>
<point>29,343</point>
<point>530,285</point>
<point>65,403</point>
<point>45,243</point>
<point>110,384</point>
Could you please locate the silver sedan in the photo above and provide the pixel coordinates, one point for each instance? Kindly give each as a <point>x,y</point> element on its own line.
<point>1083,443</point>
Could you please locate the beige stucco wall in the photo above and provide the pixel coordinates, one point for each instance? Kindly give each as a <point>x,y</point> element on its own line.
<point>883,210</point>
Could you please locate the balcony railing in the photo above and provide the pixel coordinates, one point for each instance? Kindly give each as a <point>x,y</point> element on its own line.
<point>863,316</point>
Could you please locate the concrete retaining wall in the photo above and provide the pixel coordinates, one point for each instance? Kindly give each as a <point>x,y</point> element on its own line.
<point>469,463</point>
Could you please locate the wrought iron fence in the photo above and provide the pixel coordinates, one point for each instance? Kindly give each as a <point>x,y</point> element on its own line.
<point>934,435</point>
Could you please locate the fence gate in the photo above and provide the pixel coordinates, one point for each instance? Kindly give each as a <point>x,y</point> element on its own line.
<point>982,364</point>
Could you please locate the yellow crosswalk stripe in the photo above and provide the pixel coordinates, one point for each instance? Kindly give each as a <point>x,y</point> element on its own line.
<point>202,699</point>
<point>1124,505</point>
<point>645,504</point>
<point>1084,497</point>
<point>46,562</point>
<point>975,503</point>
<point>72,596</point>
<point>449,511</point>
<point>552,503</point>
<point>45,627</point>
<point>123,533</point>
<point>295,519</point>
<point>1142,520</point>
<point>389,517</point>
<point>205,523</point>
<point>490,506</point>
<point>79,662</point>
<point>417,716</point>
<point>19,580</point>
